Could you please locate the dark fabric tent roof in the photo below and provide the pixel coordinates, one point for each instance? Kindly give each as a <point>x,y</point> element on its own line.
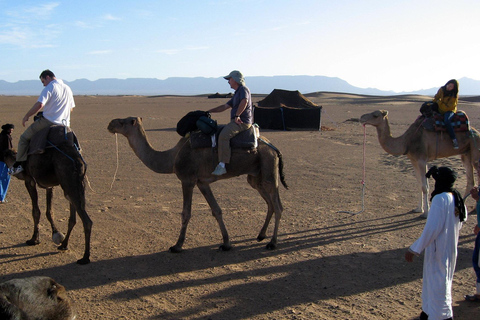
<point>290,99</point>
<point>287,110</point>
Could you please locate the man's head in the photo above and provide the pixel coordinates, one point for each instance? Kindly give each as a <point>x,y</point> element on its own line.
<point>46,77</point>
<point>236,76</point>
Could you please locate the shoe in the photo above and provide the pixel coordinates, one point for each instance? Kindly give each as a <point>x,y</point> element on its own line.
<point>455,144</point>
<point>219,170</point>
<point>15,170</point>
<point>473,297</point>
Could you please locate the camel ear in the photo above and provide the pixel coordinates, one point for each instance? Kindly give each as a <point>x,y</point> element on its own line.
<point>134,122</point>
<point>384,113</point>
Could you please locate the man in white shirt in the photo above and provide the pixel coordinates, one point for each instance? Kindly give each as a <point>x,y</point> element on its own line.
<point>439,239</point>
<point>57,103</point>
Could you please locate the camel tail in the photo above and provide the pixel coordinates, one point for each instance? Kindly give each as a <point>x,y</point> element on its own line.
<point>280,161</point>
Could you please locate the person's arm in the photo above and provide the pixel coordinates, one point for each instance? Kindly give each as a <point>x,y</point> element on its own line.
<point>241,107</point>
<point>36,107</point>
<point>220,108</point>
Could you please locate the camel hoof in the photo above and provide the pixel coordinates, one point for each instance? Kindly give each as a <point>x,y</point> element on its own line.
<point>417,210</point>
<point>271,246</point>
<point>225,247</point>
<point>57,238</point>
<point>83,261</point>
<point>260,238</point>
<point>62,248</point>
<point>424,215</point>
<point>174,249</point>
<point>32,242</point>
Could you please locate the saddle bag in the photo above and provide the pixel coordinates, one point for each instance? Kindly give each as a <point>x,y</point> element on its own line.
<point>207,125</point>
<point>189,122</point>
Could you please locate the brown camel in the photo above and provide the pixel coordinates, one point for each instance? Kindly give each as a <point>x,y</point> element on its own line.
<point>194,166</point>
<point>35,298</point>
<point>421,146</point>
<point>64,166</point>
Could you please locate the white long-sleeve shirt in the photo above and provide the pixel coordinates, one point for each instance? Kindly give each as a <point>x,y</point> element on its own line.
<point>439,239</point>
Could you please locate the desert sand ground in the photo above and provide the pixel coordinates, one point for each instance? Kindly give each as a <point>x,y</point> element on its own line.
<point>329,264</point>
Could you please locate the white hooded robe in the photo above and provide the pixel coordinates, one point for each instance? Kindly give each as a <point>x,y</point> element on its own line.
<point>439,239</point>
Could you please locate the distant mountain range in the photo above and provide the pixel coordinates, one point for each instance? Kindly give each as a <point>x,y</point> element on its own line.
<point>200,85</point>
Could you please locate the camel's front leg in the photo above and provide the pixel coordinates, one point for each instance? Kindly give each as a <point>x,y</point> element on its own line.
<point>186,215</point>
<point>32,191</point>
<point>420,168</point>
<point>57,237</point>
<point>217,213</point>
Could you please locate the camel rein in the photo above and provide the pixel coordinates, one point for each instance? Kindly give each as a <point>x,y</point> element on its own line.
<point>363,180</point>
<point>114,175</point>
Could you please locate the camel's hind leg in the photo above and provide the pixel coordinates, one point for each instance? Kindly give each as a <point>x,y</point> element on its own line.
<point>57,236</point>
<point>217,213</point>
<point>274,204</point>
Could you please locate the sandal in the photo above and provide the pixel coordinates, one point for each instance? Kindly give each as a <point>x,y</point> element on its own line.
<point>473,297</point>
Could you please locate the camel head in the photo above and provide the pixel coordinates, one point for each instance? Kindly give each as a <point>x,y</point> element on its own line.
<point>375,118</point>
<point>124,126</point>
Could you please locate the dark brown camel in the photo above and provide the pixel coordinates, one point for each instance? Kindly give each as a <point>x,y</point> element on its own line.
<point>193,167</point>
<point>64,166</point>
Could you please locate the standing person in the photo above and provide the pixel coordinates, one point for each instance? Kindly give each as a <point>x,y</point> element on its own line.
<point>476,251</point>
<point>5,144</point>
<point>57,103</point>
<point>241,118</point>
<point>439,239</point>
<point>447,100</point>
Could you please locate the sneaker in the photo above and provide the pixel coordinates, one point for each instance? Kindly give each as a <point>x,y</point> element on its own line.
<point>455,144</point>
<point>219,170</point>
<point>15,170</point>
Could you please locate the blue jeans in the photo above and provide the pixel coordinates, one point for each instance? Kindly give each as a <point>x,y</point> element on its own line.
<point>447,119</point>
<point>4,180</point>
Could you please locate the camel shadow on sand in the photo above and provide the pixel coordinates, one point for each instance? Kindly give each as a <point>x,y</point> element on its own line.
<point>315,277</point>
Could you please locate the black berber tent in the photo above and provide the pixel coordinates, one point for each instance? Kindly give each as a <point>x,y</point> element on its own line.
<point>287,110</point>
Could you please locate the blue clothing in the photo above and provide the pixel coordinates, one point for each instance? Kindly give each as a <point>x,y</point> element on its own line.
<point>476,249</point>
<point>241,93</point>
<point>447,119</point>
<point>4,180</point>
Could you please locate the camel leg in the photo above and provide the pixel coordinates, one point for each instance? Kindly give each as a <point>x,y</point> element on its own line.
<point>468,164</point>
<point>187,189</point>
<point>420,168</point>
<point>274,204</point>
<point>32,191</point>
<point>57,237</point>
<point>217,213</point>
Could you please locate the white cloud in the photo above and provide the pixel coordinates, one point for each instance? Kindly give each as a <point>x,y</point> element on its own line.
<point>110,17</point>
<point>100,52</point>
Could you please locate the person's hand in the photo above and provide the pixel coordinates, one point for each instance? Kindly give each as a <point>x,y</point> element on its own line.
<point>409,256</point>
<point>476,230</point>
<point>238,120</point>
<point>25,119</point>
<point>474,193</point>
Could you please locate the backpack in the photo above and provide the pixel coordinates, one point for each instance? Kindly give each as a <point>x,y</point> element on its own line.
<point>207,125</point>
<point>189,122</point>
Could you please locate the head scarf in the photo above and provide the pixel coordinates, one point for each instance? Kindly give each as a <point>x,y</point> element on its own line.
<point>444,180</point>
<point>8,126</point>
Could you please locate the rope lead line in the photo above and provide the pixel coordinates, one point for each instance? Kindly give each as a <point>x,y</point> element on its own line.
<point>363,179</point>
<point>114,175</point>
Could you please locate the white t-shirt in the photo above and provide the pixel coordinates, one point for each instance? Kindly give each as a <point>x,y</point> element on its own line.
<point>57,100</point>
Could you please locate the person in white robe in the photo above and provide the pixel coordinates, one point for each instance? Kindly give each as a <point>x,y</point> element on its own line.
<point>439,240</point>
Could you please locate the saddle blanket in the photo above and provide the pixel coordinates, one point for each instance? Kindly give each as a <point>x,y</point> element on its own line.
<point>460,122</point>
<point>245,140</point>
<point>52,136</point>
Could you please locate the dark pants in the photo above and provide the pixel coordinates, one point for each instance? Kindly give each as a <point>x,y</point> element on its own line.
<point>475,257</point>
<point>447,119</point>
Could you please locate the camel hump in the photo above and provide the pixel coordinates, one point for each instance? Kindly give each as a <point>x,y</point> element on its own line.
<point>55,135</point>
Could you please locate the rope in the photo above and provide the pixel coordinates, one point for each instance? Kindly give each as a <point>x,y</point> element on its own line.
<point>363,180</point>
<point>114,175</point>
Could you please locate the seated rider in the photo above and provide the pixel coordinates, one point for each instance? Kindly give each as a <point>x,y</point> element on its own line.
<point>241,117</point>
<point>57,103</point>
<point>447,100</point>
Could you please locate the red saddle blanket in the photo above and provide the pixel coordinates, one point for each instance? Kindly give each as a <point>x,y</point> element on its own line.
<point>460,122</point>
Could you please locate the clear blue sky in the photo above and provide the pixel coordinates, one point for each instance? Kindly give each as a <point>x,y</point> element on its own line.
<point>397,45</point>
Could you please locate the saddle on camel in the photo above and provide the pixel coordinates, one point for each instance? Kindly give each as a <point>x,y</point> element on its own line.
<point>433,121</point>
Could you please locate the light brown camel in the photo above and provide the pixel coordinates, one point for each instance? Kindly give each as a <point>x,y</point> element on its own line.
<point>264,168</point>
<point>64,166</point>
<point>35,298</point>
<point>421,146</point>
